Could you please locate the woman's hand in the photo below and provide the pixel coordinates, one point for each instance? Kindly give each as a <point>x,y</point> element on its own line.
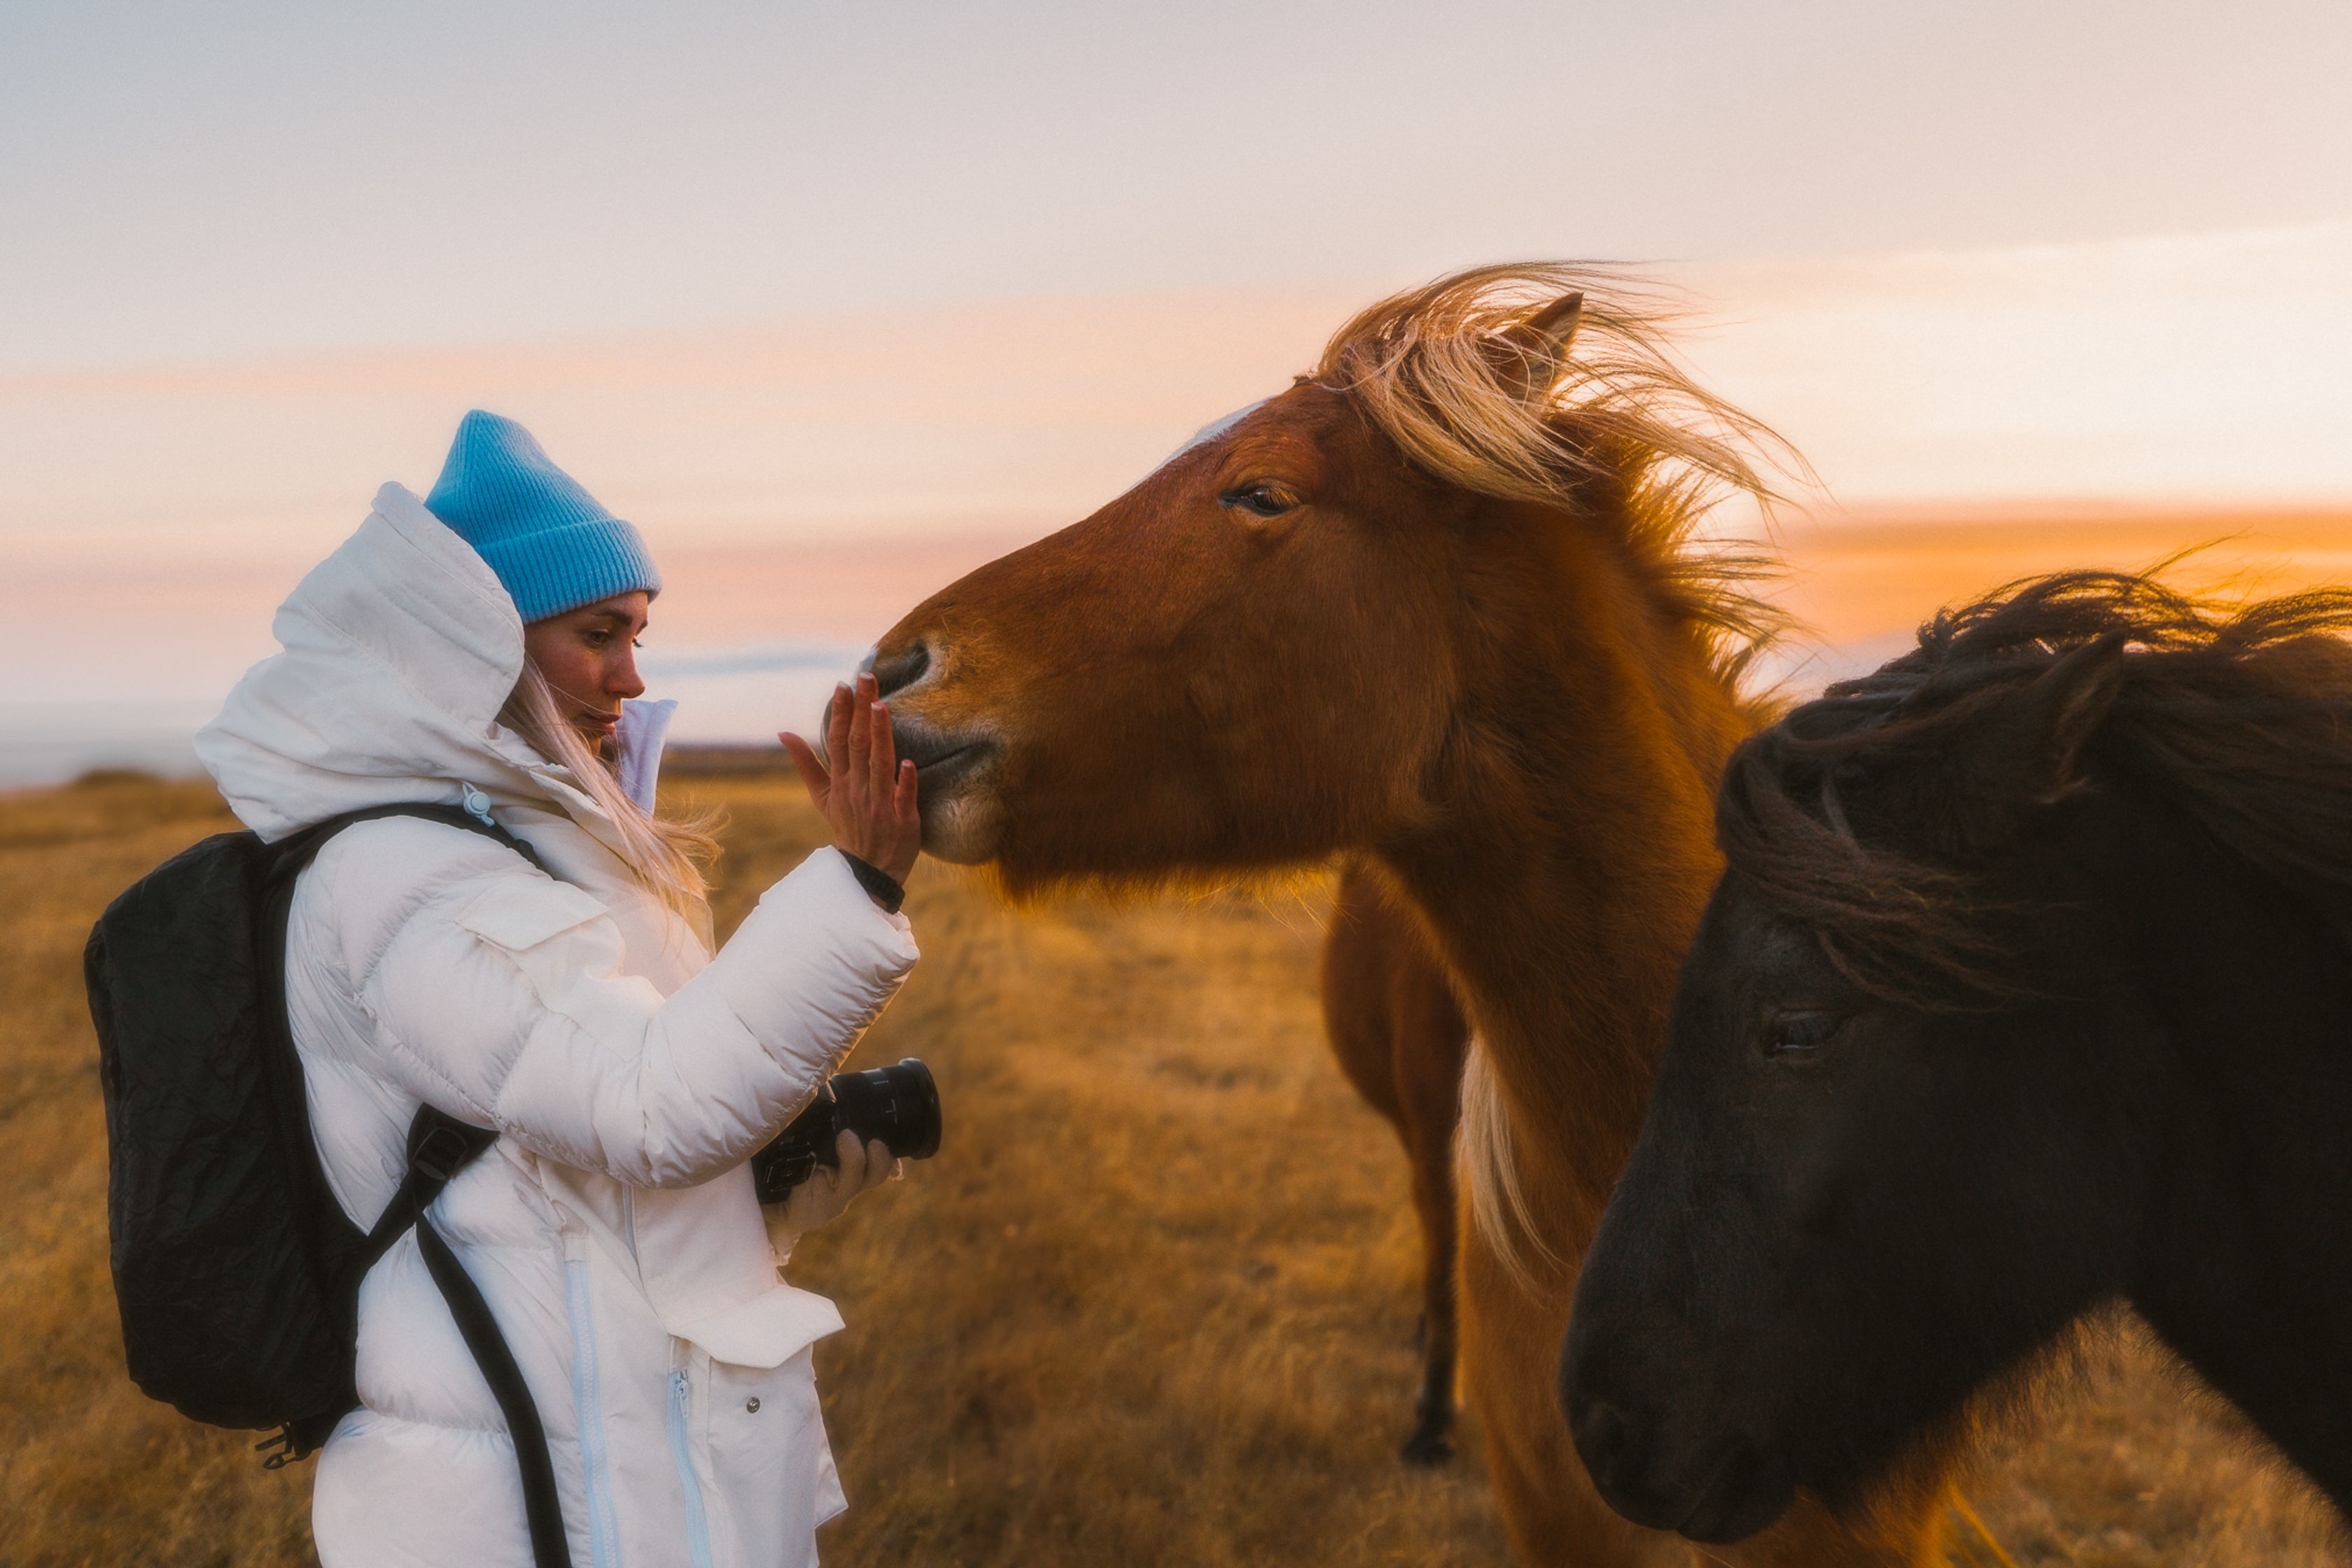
<point>827,1192</point>
<point>868,794</point>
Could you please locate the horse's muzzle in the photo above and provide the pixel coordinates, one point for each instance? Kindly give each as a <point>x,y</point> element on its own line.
<point>951,790</point>
<point>1726,1494</point>
<point>942,762</point>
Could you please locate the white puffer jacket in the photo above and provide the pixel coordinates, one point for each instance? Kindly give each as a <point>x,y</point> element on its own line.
<point>613,1228</point>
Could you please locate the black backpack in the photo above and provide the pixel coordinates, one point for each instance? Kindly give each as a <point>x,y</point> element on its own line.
<point>235,1271</point>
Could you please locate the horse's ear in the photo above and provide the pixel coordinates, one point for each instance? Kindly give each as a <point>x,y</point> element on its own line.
<point>1534,352</point>
<point>1555,325</point>
<point>2064,709</point>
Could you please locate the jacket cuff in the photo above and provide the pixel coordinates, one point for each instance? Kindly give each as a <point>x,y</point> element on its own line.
<point>879,885</point>
<point>832,930</point>
<point>830,868</point>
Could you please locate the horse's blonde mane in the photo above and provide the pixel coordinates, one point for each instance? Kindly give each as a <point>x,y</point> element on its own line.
<point>1488,1168</point>
<point>1616,428</point>
<point>1439,371</point>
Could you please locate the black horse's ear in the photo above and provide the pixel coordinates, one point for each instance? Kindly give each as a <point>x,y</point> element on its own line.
<point>2064,709</point>
<point>1533,352</point>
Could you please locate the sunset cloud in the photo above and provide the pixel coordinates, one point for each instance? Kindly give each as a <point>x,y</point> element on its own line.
<point>804,481</point>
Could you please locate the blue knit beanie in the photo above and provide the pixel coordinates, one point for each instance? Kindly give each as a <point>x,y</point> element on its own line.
<point>550,541</point>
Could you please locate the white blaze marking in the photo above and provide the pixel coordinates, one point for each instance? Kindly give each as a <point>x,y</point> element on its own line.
<point>1213,429</point>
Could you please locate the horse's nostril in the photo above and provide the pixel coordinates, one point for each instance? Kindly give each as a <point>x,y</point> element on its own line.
<point>901,670</point>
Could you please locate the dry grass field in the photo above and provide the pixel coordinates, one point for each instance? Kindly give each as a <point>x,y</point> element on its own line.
<point>1151,1305</point>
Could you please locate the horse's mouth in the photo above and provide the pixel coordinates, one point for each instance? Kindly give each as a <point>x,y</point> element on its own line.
<point>1737,1501</point>
<point>940,767</point>
<point>960,820</point>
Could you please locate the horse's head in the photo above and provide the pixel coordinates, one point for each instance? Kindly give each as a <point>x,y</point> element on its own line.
<point>1260,654</point>
<point>1199,668</point>
<point>1888,1153</point>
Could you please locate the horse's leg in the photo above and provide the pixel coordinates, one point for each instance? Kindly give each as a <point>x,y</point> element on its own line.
<point>1358,1012</point>
<point>1550,1511</point>
<point>1432,1198</point>
<point>1385,1005</point>
<point>1432,1043</point>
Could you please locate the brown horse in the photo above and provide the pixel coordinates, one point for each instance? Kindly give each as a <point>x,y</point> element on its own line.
<point>1402,1040</point>
<point>1438,605</point>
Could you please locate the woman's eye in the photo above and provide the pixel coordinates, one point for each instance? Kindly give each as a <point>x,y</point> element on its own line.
<point>1799,1033</point>
<point>1258,500</point>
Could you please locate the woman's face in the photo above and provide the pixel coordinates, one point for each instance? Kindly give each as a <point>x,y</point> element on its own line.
<point>589,657</point>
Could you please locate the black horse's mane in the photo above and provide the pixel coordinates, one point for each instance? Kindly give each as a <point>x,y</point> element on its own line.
<point>2241,714</point>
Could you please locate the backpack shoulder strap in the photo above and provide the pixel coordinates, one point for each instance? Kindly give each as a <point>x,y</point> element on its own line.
<point>297,850</point>
<point>541,1506</point>
<point>440,1146</point>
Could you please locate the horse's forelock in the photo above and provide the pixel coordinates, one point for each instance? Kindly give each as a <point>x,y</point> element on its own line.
<point>1434,370</point>
<point>2241,713</point>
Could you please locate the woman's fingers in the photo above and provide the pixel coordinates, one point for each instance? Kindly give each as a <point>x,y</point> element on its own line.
<point>836,726</point>
<point>863,1164</point>
<point>806,763</point>
<point>829,1189</point>
<point>903,805</point>
<point>849,1159</point>
<point>882,751</point>
<point>869,792</point>
<point>857,759</point>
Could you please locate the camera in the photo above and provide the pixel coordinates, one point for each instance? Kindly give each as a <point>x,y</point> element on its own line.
<point>898,1105</point>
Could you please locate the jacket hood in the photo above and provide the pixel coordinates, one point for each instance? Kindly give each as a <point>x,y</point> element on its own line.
<point>397,652</point>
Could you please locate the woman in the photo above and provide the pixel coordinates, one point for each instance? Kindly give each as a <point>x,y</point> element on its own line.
<point>476,648</point>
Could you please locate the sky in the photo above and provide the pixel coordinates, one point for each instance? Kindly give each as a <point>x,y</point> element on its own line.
<point>838,301</point>
<point>192,181</point>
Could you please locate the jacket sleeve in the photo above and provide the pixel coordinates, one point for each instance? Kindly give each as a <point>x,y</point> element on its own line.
<point>497,995</point>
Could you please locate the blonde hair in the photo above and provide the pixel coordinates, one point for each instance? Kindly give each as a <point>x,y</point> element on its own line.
<point>671,857</point>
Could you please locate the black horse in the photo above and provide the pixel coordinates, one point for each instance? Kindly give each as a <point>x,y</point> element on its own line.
<point>2028,988</point>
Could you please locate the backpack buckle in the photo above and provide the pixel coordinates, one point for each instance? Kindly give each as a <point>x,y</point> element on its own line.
<point>441,1154</point>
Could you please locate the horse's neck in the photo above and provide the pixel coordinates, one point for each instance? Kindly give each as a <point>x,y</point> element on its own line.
<point>1568,871</point>
<point>2239,1264</point>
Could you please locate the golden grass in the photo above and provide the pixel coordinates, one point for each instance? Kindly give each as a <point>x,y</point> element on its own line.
<point>1151,1305</point>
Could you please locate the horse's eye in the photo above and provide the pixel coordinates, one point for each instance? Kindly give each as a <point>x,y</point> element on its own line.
<point>1261,501</point>
<point>1799,1033</point>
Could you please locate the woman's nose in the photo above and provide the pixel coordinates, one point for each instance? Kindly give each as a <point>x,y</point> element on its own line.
<point>622,679</point>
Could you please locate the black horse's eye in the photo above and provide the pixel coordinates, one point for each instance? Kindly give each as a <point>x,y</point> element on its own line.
<point>1799,1033</point>
<point>1260,500</point>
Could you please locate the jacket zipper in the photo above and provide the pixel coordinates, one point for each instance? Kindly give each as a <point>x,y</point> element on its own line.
<point>588,1402</point>
<point>698,1524</point>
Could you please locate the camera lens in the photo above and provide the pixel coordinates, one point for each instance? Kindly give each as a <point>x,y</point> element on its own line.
<point>898,1106</point>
